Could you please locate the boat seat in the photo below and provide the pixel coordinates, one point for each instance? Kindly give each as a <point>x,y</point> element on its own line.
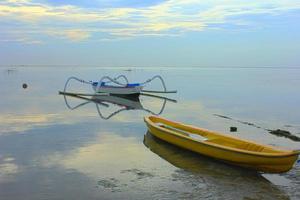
<point>185,133</point>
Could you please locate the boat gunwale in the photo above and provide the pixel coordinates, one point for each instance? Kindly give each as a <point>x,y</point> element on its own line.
<point>119,87</point>
<point>283,153</point>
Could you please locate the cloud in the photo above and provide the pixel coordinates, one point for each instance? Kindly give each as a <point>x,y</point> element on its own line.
<point>74,35</point>
<point>23,40</point>
<point>174,17</point>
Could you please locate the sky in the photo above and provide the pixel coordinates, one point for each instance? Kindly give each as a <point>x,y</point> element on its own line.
<point>135,33</point>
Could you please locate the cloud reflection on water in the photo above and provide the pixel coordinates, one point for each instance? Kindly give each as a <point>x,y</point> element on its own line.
<point>60,150</point>
<point>7,168</point>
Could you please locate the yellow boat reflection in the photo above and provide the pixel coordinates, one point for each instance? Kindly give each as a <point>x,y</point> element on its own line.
<point>211,171</point>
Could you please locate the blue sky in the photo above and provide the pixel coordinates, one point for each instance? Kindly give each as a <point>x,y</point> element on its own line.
<point>174,33</point>
<point>102,3</point>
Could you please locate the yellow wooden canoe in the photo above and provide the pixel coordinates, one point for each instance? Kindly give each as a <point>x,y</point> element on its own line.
<point>227,148</point>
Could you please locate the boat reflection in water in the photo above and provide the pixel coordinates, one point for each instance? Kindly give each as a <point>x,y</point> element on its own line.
<point>123,102</point>
<point>217,176</point>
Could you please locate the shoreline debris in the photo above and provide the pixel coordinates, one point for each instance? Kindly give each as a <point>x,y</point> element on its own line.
<point>284,133</point>
<point>277,132</point>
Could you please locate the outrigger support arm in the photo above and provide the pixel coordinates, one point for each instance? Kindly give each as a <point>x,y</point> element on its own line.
<point>114,80</point>
<point>75,78</point>
<point>154,77</point>
<point>163,84</point>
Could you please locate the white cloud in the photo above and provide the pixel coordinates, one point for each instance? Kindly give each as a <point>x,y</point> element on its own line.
<point>173,17</point>
<point>75,35</point>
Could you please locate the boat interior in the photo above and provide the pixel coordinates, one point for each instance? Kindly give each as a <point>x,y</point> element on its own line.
<point>205,136</point>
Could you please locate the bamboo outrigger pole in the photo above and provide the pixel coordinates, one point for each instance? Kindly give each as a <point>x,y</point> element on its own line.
<point>83,94</point>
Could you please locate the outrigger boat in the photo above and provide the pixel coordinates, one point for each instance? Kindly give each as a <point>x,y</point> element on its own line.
<point>108,85</point>
<point>233,150</point>
<point>109,91</point>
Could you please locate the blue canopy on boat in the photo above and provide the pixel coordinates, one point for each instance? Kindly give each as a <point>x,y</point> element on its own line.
<point>133,84</point>
<point>128,85</point>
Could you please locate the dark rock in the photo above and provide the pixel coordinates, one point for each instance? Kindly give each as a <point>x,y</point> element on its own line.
<point>233,129</point>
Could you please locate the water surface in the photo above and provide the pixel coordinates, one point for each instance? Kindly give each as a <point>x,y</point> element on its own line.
<point>48,151</point>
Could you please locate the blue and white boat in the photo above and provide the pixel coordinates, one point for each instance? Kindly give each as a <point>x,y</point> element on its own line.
<point>119,85</point>
<point>129,88</point>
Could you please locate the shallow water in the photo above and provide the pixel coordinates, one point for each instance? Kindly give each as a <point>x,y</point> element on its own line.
<point>48,151</point>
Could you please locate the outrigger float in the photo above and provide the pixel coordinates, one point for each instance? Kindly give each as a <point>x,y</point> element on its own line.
<point>115,86</point>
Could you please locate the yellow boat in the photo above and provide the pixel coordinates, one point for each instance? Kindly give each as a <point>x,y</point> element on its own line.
<point>227,148</point>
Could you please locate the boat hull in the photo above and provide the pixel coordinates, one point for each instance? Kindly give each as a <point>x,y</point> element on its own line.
<point>119,90</point>
<point>264,162</point>
<point>129,101</point>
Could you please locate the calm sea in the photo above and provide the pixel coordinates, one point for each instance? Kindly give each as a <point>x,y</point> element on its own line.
<point>53,147</point>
